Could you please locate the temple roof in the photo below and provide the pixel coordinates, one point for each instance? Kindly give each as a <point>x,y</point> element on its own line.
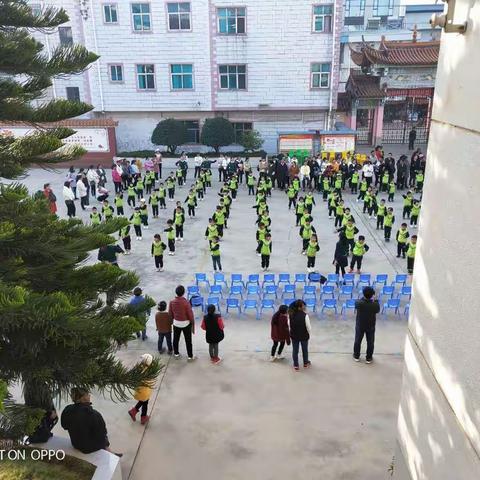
<point>397,53</point>
<point>364,86</point>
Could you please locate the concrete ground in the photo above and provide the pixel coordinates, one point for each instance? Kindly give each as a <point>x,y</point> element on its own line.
<point>247,417</point>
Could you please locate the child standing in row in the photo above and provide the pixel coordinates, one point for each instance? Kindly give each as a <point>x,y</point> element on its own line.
<point>312,249</point>
<point>359,251</point>
<point>402,237</point>
<point>170,237</point>
<point>158,247</point>
<point>215,253</point>
<point>164,323</point>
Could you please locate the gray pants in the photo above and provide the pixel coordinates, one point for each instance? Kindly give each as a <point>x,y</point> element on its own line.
<point>213,350</point>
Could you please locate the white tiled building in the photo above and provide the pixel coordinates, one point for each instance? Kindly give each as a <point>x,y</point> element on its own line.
<point>271,65</point>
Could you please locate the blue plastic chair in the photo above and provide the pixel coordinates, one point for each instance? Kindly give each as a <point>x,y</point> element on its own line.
<point>288,301</point>
<point>349,279</point>
<point>213,301</point>
<point>219,279</point>
<point>311,303</point>
<point>314,278</point>
<point>193,290</point>
<point>201,278</point>
<point>253,279</point>
<point>391,304</point>
<point>328,290</point>
<point>345,291</point>
<point>381,279</point>
<point>332,279</point>
<point>288,289</point>
<point>216,290</point>
<point>267,304</point>
<point>364,279</point>
<point>387,291</point>
<point>250,304</point>
<point>233,303</point>
<point>300,278</point>
<point>270,290</point>
<point>406,291</point>
<point>400,279</point>
<point>283,278</point>
<point>309,291</point>
<point>329,304</point>
<point>236,290</point>
<point>268,279</point>
<point>253,290</point>
<point>348,305</point>
<point>236,279</point>
<point>406,310</point>
<point>196,301</point>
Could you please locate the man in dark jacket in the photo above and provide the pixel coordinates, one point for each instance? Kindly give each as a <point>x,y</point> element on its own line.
<point>367,309</point>
<point>86,427</point>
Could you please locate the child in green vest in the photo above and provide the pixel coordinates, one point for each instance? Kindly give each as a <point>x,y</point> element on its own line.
<point>296,184</point>
<point>107,211</point>
<point>339,211</point>
<point>338,184</point>
<point>149,182</point>
<point>131,196</point>
<point>407,204</point>
<point>309,201</point>
<point>170,237</point>
<point>391,191</point>
<point>354,182</point>
<point>419,181</point>
<point>385,181</point>
<point>251,180</point>
<point>261,235</point>
<point>381,211</point>
<point>124,234</point>
<point>299,210</point>
<point>363,190</point>
<point>212,230</point>
<point>402,237</point>
<point>411,248</point>
<point>266,251</point>
<point>347,215</point>
<point>367,199</point>
<point>349,230</point>
<point>158,247</point>
<point>388,224</point>
<point>292,195</point>
<point>179,175</point>
<point>312,249</point>
<point>144,213</point>
<point>332,204</point>
<point>95,217</point>
<point>325,187</point>
<point>191,202</point>
<point>179,220</point>
<point>415,213</point>
<point>306,232</point>
<point>154,201</point>
<point>139,188</point>
<point>359,251</point>
<point>170,184</point>
<point>119,204</point>
<point>136,221</point>
<point>215,253</point>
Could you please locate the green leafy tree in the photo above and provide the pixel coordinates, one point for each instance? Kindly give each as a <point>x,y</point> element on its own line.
<point>56,330</point>
<point>251,140</point>
<point>170,132</point>
<point>217,132</point>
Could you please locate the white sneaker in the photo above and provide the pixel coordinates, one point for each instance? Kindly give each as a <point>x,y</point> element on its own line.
<point>304,253</point>
<point>158,269</point>
<point>263,269</point>
<point>161,270</point>
<point>177,238</point>
<point>191,359</point>
<point>356,359</point>
<point>176,355</point>
<point>280,357</point>
<point>369,361</point>
<point>181,239</point>
<point>273,358</point>
<point>145,227</point>
<point>259,255</point>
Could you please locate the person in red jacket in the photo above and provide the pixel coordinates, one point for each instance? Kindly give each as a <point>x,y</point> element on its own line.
<point>181,314</point>
<point>280,333</point>
<point>50,196</point>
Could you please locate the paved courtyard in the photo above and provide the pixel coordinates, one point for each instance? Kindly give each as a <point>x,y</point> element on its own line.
<point>249,418</point>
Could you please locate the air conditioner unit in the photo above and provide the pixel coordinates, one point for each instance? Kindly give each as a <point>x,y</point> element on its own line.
<point>373,23</point>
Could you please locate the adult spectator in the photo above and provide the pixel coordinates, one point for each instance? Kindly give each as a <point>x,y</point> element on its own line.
<point>102,193</point>
<point>197,160</point>
<point>305,175</point>
<point>340,257</point>
<point>137,300</point>
<point>232,168</point>
<point>109,254</point>
<point>181,313</point>
<point>206,164</point>
<point>148,164</point>
<point>157,164</point>
<point>117,179</point>
<point>71,177</point>
<point>412,136</point>
<point>69,197</point>
<point>367,172</point>
<point>102,175</point>
<point>93,178</point>
<point>86,427</point>
<point>282,174</point>
<point>262,168</point>
<point>240,170</point>
<point>82,191</point>
<point>51,198</point>
<point>300,329</point>
<point>367,309</point>
<point>293,171</point>
<point>402,172</point>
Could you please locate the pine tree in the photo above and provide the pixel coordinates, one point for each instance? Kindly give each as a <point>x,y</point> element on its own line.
<point>56,331</point>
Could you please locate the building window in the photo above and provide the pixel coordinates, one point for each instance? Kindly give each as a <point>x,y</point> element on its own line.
<point>233,77</point>
<point>322,18</point>
<point>382,8</point>
<point>232,21</point>
<point>240,128</point>
<point>179,16</point>
<point>146,77</point>
<point>193,130</point>
<point>65,34</point>
<point>354,8</point>
<point>141,17</point>
<point>182,76</point>
<point>320,75</point>
<point>116,73</point>
<point>73,94</point>
<point>110,14</point>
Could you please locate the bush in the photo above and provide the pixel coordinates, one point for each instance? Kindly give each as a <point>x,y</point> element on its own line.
<point>251,140</point>
<point>170,132</point>
<point>217,132</point>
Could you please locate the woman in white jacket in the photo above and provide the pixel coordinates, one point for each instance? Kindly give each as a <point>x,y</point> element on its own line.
<point>305,175</point>
<point>69,198</point>
<point>93,178</point>
<point>82,192</point>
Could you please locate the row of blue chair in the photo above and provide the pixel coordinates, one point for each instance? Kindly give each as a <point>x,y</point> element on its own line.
<point>269,304</point>
<point>237,279</point>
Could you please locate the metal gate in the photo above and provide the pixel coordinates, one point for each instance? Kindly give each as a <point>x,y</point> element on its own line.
<point>365,126</point>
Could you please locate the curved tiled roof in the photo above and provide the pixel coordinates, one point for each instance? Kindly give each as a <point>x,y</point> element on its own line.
<point>364,86</point>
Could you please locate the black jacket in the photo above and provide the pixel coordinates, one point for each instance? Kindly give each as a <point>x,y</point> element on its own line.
<point>298,327</point>
<point>85,426</point>
<point>366,313</point>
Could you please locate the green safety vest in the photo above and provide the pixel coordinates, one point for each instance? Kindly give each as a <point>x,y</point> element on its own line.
<point>407,202</point>
<point>227,201</point>
<point>265,219</point>
<point>354,178</point>
<point>304,218</point>
<point>170,233</point>
<point>296,184</point>
<point>158,248</point>
<point>144,211</point>
<point>300,208</point>
<point>136,220</point>
<point>326,185</point>
<point>367,198</point>
<point>149,179</point>
<point>309,199</point>
<point>107,211</point>
<point>208,175</point>
<point>307,232</point>
<point>388,220</point>
<point>154,199</point>
<point>359,249</point>
<point>291,192</point>
<point>178,218</point>
<point>350,232</point>
<point>419,177</point>
<point>346,218</point>
<point>139,185</point>
<point>212,231</point>
<point>251,181</point>
<point>381,210</point>
<point>179,173</point>
<point>392,188</point>
<point>118,201</point>
<point>339,210</point>
<point>363,186</point>
<point>161,192</point>
<point>261,234</point>
<point>402,236</point>
<point>170,184</point>
<point>411,250</point>
<point>416,210</point>
<point>269,184</point>
<point>215,253</point>
<point>338,183</point>
<point>219,218</point>
<point>265,249</point>
<point>131,192</point>
<point>96,218</point>
<point>191,200</point>
<point>312,249</point>
<point>385,178</point>
<point>124,232</point>
<point>333,200</point>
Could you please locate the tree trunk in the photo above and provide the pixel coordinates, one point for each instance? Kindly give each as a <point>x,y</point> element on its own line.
<point>217,149</point>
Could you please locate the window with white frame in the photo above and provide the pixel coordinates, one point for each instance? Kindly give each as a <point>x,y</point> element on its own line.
<point>322,18</point>
<point>354,8</point>
<point>382,8</point>
<point>233,77</point>
<point>65,34</point>
<point>320,75</point>
<point>141,17</point>
<point>232,21</point>
<point>181,76</point>
<point>116,73</point>
<point>239,128</point>
<point>110,14</point>
<point>146,77</point>
<point>179,16</point>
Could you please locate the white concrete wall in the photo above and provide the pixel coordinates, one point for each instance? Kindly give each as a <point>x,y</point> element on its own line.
<point>439,417</point>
